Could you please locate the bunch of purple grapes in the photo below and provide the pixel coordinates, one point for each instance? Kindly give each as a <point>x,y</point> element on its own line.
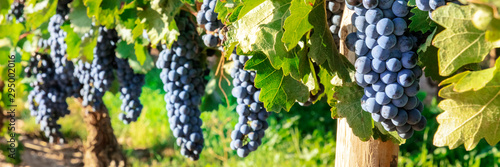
<point>386,66</point>
<point>183,79</point>
<point>334,13</point>
<point>16,11</point>
<point>47,100</point>
<point>207,16</point>
<point>250,129</point>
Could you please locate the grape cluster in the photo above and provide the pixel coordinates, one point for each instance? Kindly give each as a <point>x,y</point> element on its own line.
<point>130,89</point>
<point>250,129</point>
<point>47,100</point>
<point>183,79</point>
<point>98,76</point>
<point>64,67</point>
<point>334,12</point>
<point>207,16</point>
<point>16,10</point>
<point>386,66</point>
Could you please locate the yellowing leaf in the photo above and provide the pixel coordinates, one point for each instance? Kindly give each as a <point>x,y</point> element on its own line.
<point>460,43</point>
<point>469,116</point>
<point>472,80</point>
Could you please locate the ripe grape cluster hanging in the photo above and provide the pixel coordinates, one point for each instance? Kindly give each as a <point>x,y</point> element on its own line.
<point>16,11</point>
<point>208,17</point>
<point>47,101</point>
<point>386,66</point>
<point>334,12</point>
<point>183,78</point>
<point>250,129</point>
<point>101,69</point>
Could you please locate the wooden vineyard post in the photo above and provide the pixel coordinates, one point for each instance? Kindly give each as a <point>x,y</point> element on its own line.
<point>101,148</point>
<point>350,150</point>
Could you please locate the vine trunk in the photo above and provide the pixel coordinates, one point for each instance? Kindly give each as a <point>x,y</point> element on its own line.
<point>101,148</point>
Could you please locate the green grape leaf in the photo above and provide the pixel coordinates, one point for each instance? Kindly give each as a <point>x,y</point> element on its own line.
<point>87,48</point>
<point>38,13</point>
<point>249,5</point>
<point>325,78</point>
<point>297,24</point>
<point>412,3</point>
<point>92,7</point>
<point>277,90</point>
<point>265,22</point>
<point>140,52</point>
<point>73,42</point>
<point>430,63</point>
<point>228,10</point>
<point>323,50</point>
<point>428,41</point>
<point>124,33</point>
<point>469,116</point>
<point>80,23</point>
<point>138,57</point>
<point>159,22</point>
<point>472,46</point>
<point>348,106</point>
<point>420,21</point>
<point>124,50</point>
<point>261,30</point>
<point>5,6</point>
<point>12,32</point>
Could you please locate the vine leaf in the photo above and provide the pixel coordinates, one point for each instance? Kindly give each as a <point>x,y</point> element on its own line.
<point>261,30</point>
<point>73,42</point>
<point>159,23</point>
<point>325,78</point>
<point>469,116</point>
<point>322,47</point>
<point>138,57</point>
<point>80,23</point>
<point>348,106</point>
<point>42,12</point>
<point>472,80</point>
<point>472,46</point>
<point>277,90</point>
<point>430,62</point>
<point>297,24</point>
<point>420,21</point>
